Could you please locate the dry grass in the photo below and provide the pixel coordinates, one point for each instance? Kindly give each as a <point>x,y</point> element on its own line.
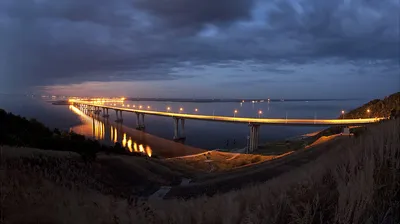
<point>357,182</point>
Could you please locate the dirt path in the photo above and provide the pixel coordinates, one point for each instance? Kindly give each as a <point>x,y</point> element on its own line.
<point>228,181</point>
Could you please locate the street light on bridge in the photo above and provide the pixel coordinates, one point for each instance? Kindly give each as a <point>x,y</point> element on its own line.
<point>181,109</point>
<point>168,109</point>
<point>259,113</point>
<point>234,113</point>
<point>196,110</point>
<point>140,107</point>
<point>148,107</point>
<point>342,114</point>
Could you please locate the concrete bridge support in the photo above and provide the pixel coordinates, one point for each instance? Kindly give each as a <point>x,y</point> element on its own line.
<point>179,134</point>
<point>105,112</point>
<point>140,121</point>
<point>97,110</point>
<point>254,136</point>
<point>119,117</point>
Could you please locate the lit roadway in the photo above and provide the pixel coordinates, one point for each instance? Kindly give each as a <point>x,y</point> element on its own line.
<point>247,120</point>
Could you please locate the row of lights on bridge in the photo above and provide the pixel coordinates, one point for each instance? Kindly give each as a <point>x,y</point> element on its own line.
<point>181,109</point>
<point>260,112</point>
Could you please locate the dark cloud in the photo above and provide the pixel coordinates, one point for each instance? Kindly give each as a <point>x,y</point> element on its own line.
<point>193,14</point>
<point>352,29</point>
<point>47,42</point>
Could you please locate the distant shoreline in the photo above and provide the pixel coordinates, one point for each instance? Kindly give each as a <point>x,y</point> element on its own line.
<point>231,100</point>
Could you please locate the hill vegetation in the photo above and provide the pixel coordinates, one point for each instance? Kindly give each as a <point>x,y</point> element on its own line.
<point>389,106</point>
<point>21,132</point>
<point>356,182</point>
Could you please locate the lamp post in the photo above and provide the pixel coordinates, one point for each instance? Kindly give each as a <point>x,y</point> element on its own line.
<point>234,113</point>
<point>259,113</point>
<point>180,109</point>
<point>369,111</point>
<point>286,117</point>
<point>315,116</point>
<point>168,109</point>
<point>342,114</point>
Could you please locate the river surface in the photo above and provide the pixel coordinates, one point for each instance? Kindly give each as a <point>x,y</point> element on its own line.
<point>199,134</point>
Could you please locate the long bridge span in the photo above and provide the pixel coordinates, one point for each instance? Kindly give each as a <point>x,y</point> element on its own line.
<point>254,123</point>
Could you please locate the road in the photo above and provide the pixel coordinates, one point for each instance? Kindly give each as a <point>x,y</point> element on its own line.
<point>263,121</point>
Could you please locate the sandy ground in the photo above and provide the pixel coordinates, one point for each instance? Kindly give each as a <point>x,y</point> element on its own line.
<point>237,178</point>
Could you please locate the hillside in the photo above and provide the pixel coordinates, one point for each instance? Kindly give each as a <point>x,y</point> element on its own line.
<point>354,182</point>
<point>387,107</point>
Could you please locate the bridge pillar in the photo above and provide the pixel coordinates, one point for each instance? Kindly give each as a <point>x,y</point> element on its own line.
<point>254,136</point>
<point>176,128</point>
<point>179,134</point>
<point>119,117</point>
<point>105,112</point>
<point>140,121</point>
<point>182,134</point>
<point>346,130</point>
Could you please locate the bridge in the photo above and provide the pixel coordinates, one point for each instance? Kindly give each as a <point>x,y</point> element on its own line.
<point>179,133</point>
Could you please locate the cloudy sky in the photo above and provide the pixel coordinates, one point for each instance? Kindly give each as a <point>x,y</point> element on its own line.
<point>201,48</point>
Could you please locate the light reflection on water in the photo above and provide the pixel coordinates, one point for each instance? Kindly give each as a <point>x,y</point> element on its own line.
<point>103,131</point>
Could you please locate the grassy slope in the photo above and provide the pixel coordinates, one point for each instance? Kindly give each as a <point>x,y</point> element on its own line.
<point>355,182</point>
<point>116,175</point>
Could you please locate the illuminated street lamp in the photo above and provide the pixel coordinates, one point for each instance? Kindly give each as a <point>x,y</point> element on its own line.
<point>342,114</point>
<point>168,109</point>
<point>128,105</point>
<point>196,110</point>
<point>148,107</point>
<point>134,106</point>
<point>368,111</point>
<point>140,107</point>
<point>180,109</point>
<point>259,113</point>
<point>234,113</point>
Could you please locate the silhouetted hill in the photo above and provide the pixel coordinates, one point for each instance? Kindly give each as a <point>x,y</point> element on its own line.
<point>21,132</point>
<point>389,106</point>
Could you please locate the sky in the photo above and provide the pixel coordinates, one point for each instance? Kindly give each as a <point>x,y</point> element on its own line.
<point>201,49</point>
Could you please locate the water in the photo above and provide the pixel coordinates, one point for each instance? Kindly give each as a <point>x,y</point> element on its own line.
<point>202,134</point>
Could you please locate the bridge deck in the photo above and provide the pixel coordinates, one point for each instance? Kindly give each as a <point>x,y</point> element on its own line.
<point>248,120</point>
